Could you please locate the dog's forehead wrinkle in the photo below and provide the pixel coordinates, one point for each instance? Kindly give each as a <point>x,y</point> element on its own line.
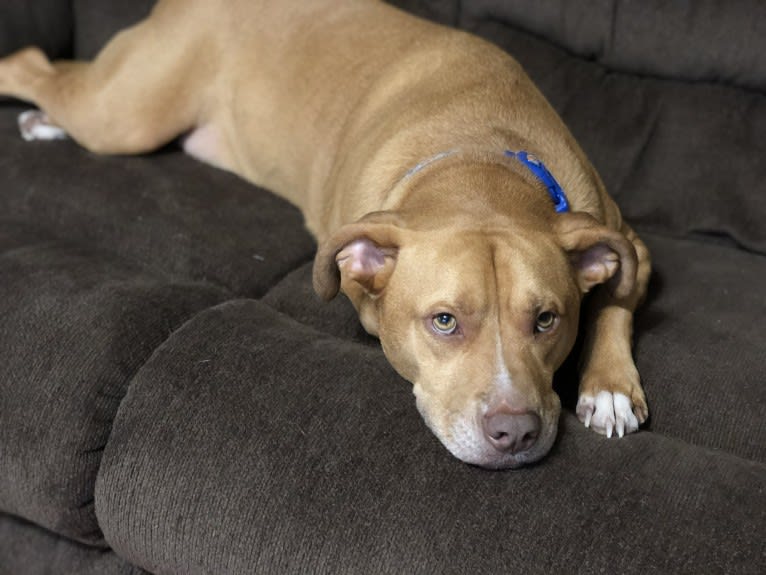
<point>451,267</point>
<point>523,284</point>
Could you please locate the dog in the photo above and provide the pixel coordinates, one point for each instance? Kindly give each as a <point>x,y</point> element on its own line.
<point>450,203</point>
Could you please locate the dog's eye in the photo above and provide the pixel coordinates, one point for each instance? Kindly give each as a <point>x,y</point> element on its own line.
<point>445,323</point>
<point>545,322</point>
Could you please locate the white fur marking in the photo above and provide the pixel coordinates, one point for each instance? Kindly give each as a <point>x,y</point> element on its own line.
<point>607,413</point>
<point>503,379</point>
<point>586,406</point>
<point>35,125</point>
<point>623,412</point>
<point>603,418</point>
<point>203,144</point>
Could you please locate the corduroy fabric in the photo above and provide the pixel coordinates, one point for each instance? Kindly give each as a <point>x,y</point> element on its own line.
<point>48,24</point>
<point>166,212</point>
<point>77,325</point>
<point>294,296</point>
<point>702,41</point>
<point>445,12</point>
<point>700,346</point>
<point>97,21</point>
<point>280,467</point>
<point>271,436</point>
<point>28,550</point>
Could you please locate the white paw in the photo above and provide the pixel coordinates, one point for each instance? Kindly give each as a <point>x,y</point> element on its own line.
<point>35,125</point>
<point>607,413</point>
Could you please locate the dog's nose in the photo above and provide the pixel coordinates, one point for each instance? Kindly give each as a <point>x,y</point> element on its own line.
<point>511,432</point>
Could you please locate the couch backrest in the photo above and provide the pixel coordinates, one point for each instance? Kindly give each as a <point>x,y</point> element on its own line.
<point>45,23</point>
<point>704,40</point>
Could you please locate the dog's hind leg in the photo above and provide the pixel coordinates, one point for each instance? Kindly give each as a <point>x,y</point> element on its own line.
<point>143,89</point>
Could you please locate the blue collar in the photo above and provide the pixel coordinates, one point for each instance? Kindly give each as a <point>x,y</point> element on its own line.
<point>538,169</point>
<point>555,191</point>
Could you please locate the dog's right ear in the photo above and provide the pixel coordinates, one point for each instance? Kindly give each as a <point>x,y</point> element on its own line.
<point>598,254</point>
<point>359,257</point>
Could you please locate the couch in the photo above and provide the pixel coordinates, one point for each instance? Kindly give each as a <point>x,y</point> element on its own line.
<point>175,399</point>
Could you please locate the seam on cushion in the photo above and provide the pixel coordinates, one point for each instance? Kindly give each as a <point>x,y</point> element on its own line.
<point>196,292</point>
<point>260,297</point>
<point>474,25</point>
<point>281,277</point>
<point>700,236</point>
<point>716,451</point>
<point>638,158</point>
<point>271,305</point>
<point>647,233</point>
<point>130,379</point>
<point>39,236</point>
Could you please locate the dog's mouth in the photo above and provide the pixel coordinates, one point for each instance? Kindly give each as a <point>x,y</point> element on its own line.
<point>508,441</point>
<point>482,452</point>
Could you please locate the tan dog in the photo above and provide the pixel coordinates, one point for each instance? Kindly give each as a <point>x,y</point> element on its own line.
<point>394,136</point>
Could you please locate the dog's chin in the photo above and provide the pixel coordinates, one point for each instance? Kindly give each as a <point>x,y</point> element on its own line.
<point>466,441</point>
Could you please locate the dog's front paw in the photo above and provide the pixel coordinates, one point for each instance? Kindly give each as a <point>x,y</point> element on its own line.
<point>607,412</point>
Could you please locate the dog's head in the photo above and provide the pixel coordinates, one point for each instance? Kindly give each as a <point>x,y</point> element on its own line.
<point>477,317</point>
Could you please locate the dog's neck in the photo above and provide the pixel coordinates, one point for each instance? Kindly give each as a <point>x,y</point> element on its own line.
<point>534,165</point>
<point>500,184</point>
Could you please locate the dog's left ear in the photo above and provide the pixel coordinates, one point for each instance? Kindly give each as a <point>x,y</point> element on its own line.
<point>598,254</point>
<point>360,257</point>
